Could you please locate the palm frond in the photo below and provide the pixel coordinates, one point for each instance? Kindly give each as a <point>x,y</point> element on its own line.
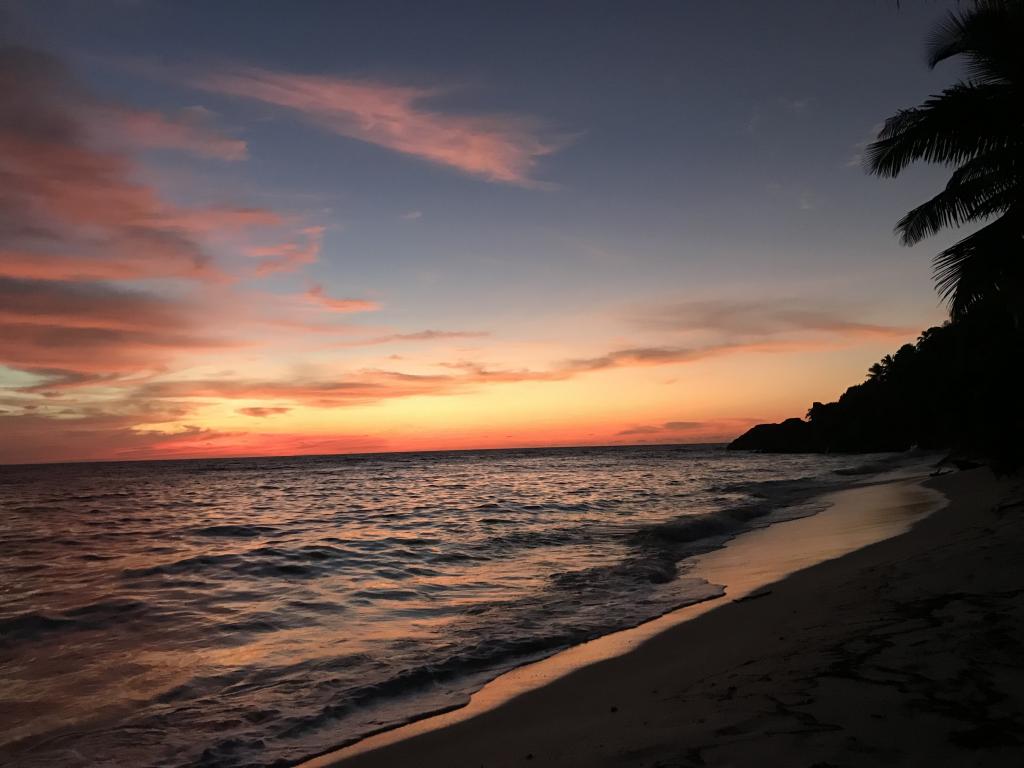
<point>976,200</point>
<point>982,266</point>
<point>976,127</point>
<point>958,125</point>
<point>993,165</point>
<point>947,40</point>
<point>988,36</point>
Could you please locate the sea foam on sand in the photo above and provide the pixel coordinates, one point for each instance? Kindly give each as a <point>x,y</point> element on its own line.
<point>901,652</point>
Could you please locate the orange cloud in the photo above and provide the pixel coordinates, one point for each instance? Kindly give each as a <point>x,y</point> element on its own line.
<point>263,412</point>
<point>68,329</point>
<point>357,388</point>
<point>317,295</point>
<point>351,389</point>
<point>32,438</point>
<point>370,386</point>
<point>497,148</point>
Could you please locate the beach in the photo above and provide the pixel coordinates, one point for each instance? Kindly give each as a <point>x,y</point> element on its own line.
<point>482,384</point>
<point>902,652</point>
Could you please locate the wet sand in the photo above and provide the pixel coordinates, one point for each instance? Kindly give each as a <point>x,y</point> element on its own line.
<point>902,652</point>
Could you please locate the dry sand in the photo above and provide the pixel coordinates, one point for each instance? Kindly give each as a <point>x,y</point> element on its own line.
<point>907,652</point>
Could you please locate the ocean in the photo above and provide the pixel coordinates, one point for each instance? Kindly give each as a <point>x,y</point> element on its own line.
<point>253,612</point>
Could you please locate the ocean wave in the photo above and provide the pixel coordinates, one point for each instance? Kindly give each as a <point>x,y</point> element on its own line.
<point>390,585</point>
<point>102,615</point>
<point>235,530</point>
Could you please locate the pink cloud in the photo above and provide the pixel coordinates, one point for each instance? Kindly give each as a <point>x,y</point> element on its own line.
<point>291,255</point>
<point>67,202</point>
<point>71,205</point>
<point>222,218</point>
<point>497,148</point>
<point>191,131</point>
<point>316,294</point>
<point>47,265</point>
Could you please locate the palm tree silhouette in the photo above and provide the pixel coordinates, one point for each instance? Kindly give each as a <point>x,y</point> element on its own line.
<point>977,127</point>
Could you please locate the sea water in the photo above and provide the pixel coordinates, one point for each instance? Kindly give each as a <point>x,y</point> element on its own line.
<point>252,612</point>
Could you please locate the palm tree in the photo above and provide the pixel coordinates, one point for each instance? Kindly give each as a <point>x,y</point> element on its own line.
<point>977,127</point>
<point>880,371</point>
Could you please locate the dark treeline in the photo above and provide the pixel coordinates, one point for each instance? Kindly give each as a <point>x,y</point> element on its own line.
<point>960,387</point>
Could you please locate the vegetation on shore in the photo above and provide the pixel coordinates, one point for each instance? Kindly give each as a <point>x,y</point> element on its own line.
<point>961,385</point>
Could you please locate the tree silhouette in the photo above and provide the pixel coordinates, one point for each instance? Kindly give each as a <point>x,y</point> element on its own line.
<point>959,387</point>
<point>977,127</point>
<point>956,388</point>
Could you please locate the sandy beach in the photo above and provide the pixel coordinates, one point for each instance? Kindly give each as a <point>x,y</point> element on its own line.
<point>903,652</point>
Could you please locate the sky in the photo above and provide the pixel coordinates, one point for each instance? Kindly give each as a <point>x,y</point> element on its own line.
<point>236,229</point>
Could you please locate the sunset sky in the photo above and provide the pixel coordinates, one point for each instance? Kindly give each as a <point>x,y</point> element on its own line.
<point>250,228</point>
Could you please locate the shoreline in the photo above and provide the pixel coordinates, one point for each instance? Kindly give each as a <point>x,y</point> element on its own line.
<point>860,516</point>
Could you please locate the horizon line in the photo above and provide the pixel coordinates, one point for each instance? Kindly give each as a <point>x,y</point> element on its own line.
<point>358,454</point>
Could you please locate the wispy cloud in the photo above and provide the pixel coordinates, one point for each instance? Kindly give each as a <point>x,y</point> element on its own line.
<point>856,160</point>
<point>353,388</point>
<point>191,130</point>
<point>291,255</point>
<point>668,426</point>
<point>431,335</point>
<point>759,318</point>
<point>797,106</point>
<point>415,336</point>
<point>711,430</point>
<point>317,295</point>
<point>500,148</point>
<point>263,412</point>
